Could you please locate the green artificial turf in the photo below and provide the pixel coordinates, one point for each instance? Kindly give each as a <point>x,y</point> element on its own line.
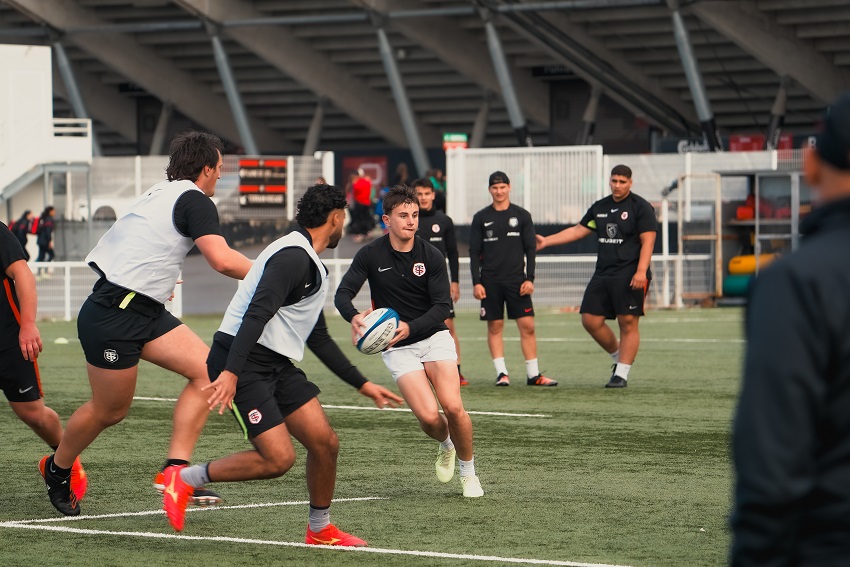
<point>635,477</point>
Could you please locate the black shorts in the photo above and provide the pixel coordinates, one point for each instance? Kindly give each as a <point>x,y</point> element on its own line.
<point>501,294</point>
<point>451,312</point>
<point>613,296</point>
<point>19,378</point>
<point>113,337</point>
<point>265,397</point>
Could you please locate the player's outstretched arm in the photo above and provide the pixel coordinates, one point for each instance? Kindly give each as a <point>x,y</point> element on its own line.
<point>566,236</point>
<point>380,395</point>
<point>221,257</point>
<point>29,338</point>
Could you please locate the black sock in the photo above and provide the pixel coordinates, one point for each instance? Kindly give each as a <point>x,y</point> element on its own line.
<point>171,462</point>
<point>458,369</point>
<point>54,447</point>
<point>57,471</point>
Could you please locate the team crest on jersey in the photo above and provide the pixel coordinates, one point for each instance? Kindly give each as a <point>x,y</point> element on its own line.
<point>435,228</point>
<point>419,269</point>
<point>110,356</point>
<point>611,229</point>
<point>624,215</point>
<point>483,312</point>
<point>254,416</point>
<point>489,234</point>
<point>513,222</point>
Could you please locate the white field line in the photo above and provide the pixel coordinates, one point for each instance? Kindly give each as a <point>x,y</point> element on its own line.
<point>377,550</point>
<point>188,510</point>
<point>368,408</point>
<point>589,340</point>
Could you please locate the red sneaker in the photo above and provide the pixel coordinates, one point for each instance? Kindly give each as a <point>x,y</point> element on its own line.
<point>332,535</point>
<point>79,479</point>
<point>463,381</point>
<point>176,496</point>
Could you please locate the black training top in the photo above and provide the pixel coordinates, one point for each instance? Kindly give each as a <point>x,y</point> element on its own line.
<point>10,252</point>
<point>791,439</point>
<point>618,227</point>
<point>502,245</point>
<point>283,283</point>
<point>195,215</point>
<point>437,227</point>
<point>413,283</point>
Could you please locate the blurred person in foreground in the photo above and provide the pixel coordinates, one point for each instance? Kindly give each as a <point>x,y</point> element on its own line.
<point>791,439</point>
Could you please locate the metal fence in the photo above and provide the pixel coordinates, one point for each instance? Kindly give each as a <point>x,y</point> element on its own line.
<point>559,284</point>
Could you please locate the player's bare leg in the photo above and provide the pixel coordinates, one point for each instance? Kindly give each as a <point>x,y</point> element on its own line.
<point>597,328</point>
<point>416,391</point>
<point>443,376</point>
<point>629,337</point>
<point>41,419</point>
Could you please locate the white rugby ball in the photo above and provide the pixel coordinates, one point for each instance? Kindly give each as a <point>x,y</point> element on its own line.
<point>380,329</point>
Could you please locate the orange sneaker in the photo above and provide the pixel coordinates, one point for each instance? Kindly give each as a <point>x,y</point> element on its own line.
<point>332,535</point>
<point>79,479</point>
<point>176,496</point>
<point>200,496</point>
<point>463,381</point>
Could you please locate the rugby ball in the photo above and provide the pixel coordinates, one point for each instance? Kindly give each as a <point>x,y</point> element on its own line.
<point>380,329</point>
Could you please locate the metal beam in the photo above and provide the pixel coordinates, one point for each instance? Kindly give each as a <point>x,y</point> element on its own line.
<point>589,117</point>
<point>314,133</point>
<point>280,47</point>
<point>589,59</point>
<point>74,96</point>
<point>232,92</point>
<point>695,84</point>
<point>506,84</point>
<point>141,65</point>
<point>479,128</point>
<point>776,46</point>
<point>453,44</point>
<point>408,120</point>
<point>777,115</point>
<point>158,139</point>
<point>105,104</point>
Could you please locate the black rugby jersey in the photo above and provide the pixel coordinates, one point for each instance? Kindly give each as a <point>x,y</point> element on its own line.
<point>437,228</point>
<point>413,283</point>
<point>10,252</point>
<point>502,245</point>
<point>618,227</point>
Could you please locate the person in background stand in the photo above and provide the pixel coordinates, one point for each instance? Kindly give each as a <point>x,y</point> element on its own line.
<point>23,226</point>
<point>44,233</point>
<point>438,229</point>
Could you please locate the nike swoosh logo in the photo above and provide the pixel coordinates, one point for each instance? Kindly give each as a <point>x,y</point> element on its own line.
<point>307,285</point>
<point>615,210</point>
<point>633,306</point>
<point>24,391</point>
<point>384,269</point>
<point>331,541</point>
<point>489,223</point>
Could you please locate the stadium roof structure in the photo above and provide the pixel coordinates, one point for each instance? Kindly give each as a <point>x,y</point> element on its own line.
<point>297,63</point>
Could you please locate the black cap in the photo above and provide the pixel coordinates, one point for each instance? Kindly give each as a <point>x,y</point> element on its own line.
<point>833,142</point>
<point>498,177</point>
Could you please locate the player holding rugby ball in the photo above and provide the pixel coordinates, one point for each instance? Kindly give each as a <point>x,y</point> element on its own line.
<point>408,274</point>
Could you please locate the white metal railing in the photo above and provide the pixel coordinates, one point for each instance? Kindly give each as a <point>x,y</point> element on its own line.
<point>62,288</point>
<point>559,283</point>
<point>72,127</point>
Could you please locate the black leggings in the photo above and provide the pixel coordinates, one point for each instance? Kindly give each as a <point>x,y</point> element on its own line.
<point>45,251</point>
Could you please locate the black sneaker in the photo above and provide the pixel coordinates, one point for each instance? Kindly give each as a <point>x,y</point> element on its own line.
<point>541,380</point>
<point>205,497</point>
<point>616,382</point>
<point>503,380</point>
<point>59,489</point>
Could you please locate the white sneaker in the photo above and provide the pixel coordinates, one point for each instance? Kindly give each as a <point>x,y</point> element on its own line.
<point>471,486</point>
<point>445,465</point>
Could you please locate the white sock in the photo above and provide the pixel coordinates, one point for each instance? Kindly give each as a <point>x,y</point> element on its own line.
<point>499,363</point>
<point>447,444</point>
<point>467,468</point>
<point>319,518</point>
<point>196,476</point>
<point>623,370</point>
<point>531,369</point>
<point>615,356</point>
